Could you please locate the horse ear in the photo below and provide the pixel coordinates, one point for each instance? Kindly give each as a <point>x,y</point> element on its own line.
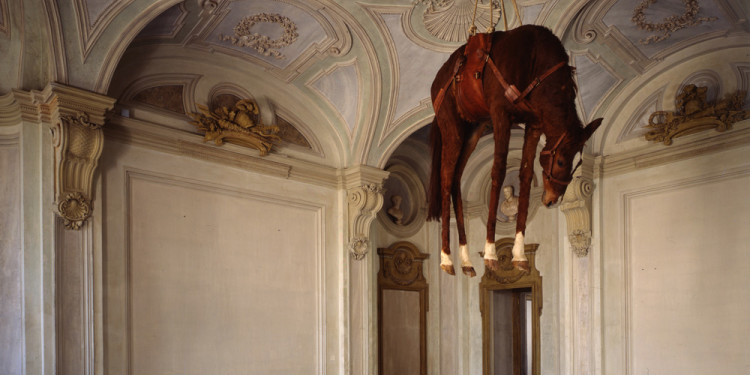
<point>590,128</point>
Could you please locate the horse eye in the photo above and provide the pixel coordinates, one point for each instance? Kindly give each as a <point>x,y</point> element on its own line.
<point>559,163</point>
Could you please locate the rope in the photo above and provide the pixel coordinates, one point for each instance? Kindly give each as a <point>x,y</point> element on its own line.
<point>518,14</point>
<point>502,9</point>
<point>473,28</point>
<point>491,28</point>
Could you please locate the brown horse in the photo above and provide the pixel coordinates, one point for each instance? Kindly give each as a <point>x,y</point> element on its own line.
<point>481,81</point>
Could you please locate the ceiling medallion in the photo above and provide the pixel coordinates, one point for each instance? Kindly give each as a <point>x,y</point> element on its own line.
<point>240,124</point>
<point>244,37</point>
<point>450,20</point>
<point>671,23</point>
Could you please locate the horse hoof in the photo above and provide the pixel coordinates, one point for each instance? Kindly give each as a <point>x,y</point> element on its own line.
<point>522,265</point>
<point>448,268</point>
<point>492,264</point>
<point>469,271</point>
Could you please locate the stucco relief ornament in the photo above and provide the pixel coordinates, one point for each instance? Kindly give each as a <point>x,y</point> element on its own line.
<point>358,247</point>
<point>450,20</point>
<point>245,37</point>
<point>694,113</point>
<point>240,124</point>
<point>75,209</point>
<point>670,24</point>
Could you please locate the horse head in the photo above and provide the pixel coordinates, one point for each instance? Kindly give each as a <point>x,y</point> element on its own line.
<point>557,161</point>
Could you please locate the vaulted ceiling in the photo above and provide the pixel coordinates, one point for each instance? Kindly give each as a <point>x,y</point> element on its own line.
<point>350,79</point>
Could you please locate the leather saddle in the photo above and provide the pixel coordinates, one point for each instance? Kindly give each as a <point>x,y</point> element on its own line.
<point>468,87</point>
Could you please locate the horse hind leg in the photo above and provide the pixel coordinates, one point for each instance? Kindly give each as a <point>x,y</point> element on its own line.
<point>451,149</point>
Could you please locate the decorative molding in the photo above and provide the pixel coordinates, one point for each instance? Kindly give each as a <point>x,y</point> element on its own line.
<point>364,190</point>
<point>4,18</point>
<point>241,124</point>
<point>90,31</point>
<point>245,37</point>
<point>670,24</point>
<point>163,139</point>
<point>694,114</point>
<point>576,206</point>
<point>451,20</point>
<point>335,22</point>
<point>77,117</point>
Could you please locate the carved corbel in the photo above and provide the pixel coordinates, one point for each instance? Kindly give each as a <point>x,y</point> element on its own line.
<point>364,190</point>
<point>576,205</point>
<point>77,117</point>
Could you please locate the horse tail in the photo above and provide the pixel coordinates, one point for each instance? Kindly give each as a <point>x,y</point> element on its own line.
<point>434,198</point>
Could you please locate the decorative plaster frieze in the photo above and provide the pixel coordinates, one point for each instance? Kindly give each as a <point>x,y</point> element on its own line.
<point>245,37</point>
<point>77,117</point>
<point>670,24</point>
<point>364,190</point>
<point>451,20</point>
<point>576,206</point>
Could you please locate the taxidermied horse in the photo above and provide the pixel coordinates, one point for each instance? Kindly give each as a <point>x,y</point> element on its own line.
<point>482,80</point>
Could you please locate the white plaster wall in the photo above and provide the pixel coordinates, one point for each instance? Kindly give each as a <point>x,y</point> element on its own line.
<point>11,258</point>
<point>211,269</point>
<point>675,267</point>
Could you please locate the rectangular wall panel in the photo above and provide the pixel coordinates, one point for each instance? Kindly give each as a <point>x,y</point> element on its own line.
<point>688,266</point>
<point>221,281</point>
<point>11,259</point>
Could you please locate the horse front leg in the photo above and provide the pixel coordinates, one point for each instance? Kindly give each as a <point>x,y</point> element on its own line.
<point>526,173</point>
<point>501,131</point>
<point>449,160</point>
<point>458,205</point>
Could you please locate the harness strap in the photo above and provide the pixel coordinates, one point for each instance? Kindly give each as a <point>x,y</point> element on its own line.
<point>551,152</point>
<point>441,94</point>
<point>511,91</point>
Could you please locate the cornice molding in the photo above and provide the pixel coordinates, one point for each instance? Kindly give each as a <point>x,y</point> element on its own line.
<point>653,155</point>
<point>160,138</point>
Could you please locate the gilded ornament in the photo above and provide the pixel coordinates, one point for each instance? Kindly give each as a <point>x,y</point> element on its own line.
<point>694,113</point>
<point>670,24</point>
<point>240,124</point>
<point>82,119</point>
<point>245,37</point>
<point>75,209</point>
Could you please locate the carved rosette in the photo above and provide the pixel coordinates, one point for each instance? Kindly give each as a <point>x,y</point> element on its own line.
<point>77,117</point>
<point>576,205</point>
<point>364,193</point>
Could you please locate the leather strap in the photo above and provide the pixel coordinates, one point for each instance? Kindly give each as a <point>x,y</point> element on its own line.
<point>511,91</point>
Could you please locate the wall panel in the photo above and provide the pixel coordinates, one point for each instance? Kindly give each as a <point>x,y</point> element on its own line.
<point>221,280</point>
<point>11,258</point>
